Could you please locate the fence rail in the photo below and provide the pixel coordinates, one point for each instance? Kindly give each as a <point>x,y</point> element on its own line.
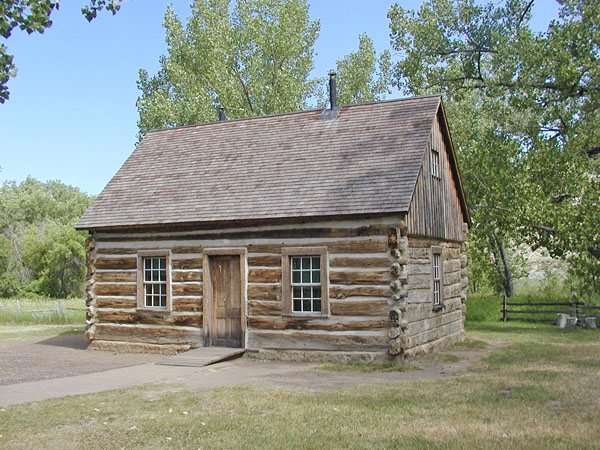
<point>576,309</point>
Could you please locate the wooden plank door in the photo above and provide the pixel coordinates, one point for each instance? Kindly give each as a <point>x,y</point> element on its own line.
<point>226,326</point>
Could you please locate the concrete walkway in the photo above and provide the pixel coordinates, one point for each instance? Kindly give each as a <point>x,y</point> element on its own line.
<point>223,374</point>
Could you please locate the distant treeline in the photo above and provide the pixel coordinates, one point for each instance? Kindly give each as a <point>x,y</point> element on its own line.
<point>41,254</point>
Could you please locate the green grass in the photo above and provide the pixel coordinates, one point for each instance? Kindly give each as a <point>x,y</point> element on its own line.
<point>471,344</point>
<point>489,307</point>
<point>27,311</point>
<point>10,332</point>
<point>539,392</point>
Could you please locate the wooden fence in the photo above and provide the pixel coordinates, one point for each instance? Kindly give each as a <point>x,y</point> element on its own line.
<point>573,308</point>
<point>60,309</point>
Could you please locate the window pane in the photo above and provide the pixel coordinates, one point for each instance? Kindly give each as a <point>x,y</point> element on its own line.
<point>316,276</point>
<point>147,275</point>
<point>297,292</point>
<point>306,292</point>
<point>155,275</point>
<point>147,263</point>
<point>297,305</point>
<point>317,305</point>
<point>316,262</point>
<point>306,277</point>
<point>295,263</point>
<point>306,263</point>
<point>295,277</point>
<point>163,301</point>
<point>163,275</point>
<point>163,263</point>
<point>316,292</point>
<point>306,305</point>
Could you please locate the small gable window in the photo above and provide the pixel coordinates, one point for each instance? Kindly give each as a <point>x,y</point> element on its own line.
<point>153,280</point>
<point>436,277</point>
<point>435,163</point>
<point>305,281</point>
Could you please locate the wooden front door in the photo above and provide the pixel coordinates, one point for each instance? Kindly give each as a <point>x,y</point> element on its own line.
<point>226,320</point>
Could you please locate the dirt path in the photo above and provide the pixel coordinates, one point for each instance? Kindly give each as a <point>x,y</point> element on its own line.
<point>93,371</point>
<point>42,358</point>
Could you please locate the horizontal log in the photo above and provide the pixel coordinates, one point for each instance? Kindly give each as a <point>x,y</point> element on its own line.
<point>366,291</point>
<point>367,307</point>
<point>149,317</point>
<point>264,292</point>
<point>115,289</point>
<point>181,277</point>
<point>264,308</point>
<point>116,302</point>
<point>115,263</point>
<point>434,334</point>
<point>362,246</point>
<point>115,277</point>
<point>192,289</point>
<point>307,340</point>
<point>186,264</point>
<point>134,250</point>
<point>264,275</point>
<point>189,304</point>
<point>288,233</point>
<point>362,277</point>
<point>360,262</point>
<point>527,319</point>
<point>264,261</point>
<point>435,321</point>
<point>166,334</point>
<point>332,324</point>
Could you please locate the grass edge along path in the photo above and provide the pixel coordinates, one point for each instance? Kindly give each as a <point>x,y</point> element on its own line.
<point>535,393</point>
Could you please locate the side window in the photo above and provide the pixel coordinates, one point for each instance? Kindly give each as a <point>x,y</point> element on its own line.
<point>154,280</point>
<point>305,281</point>
<point>435,163</point>
<point>436,277</point>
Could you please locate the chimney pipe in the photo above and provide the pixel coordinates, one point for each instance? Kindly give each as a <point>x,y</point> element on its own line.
<point>332,90</point>
<point>221,114</point>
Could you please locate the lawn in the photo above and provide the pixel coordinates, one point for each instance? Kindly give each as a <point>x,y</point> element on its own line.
<point>42,311</point>
<point>540,392</point>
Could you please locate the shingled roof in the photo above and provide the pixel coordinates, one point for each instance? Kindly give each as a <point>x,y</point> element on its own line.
<point>365,161</point>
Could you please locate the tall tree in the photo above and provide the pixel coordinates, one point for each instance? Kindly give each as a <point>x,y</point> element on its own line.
<point>362,75</point>
<point>33,16</point>
<point>525,107</point>
<point>253,58</point>
<point>40,251</point>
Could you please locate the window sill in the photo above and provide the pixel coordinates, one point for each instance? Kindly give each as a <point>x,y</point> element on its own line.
<point>437,308</point>
<point>305,316</point>
<point>153,309</point>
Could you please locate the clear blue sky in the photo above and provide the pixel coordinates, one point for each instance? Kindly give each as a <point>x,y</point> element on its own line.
<point>71,114</point>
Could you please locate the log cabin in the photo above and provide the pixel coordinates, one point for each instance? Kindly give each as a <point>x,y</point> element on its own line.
<point>333,234</point>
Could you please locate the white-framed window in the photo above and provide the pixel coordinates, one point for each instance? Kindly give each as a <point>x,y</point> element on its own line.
<point>436,276</point>
<point>305,281</point>
<point>435,163</point>
<point>306,284</point>
<point>154,280</point>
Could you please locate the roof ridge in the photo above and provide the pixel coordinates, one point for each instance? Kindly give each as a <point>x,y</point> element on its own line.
<point>305,111</point>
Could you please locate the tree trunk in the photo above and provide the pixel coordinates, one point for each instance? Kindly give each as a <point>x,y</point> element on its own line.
<point>505,273</point>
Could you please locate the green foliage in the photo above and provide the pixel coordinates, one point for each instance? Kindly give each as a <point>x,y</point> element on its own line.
<point>524,108</point>
<point>33,16</point>
<point>362,76</point>
<point>40,251</point>
<point>253,58</point>
<point>483,308</point>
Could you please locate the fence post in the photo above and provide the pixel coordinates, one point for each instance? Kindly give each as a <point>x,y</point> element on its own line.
<point>60,309</point>
<point>18,306</point>
<point>574,306</point>
<point>504,308</point>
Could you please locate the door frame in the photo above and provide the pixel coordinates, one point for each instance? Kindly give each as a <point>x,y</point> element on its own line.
<point>207,325</point>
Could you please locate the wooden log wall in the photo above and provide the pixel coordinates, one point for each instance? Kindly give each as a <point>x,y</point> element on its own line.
<point>427,328</point>
<point>362,275</point>
<point>435,210</point>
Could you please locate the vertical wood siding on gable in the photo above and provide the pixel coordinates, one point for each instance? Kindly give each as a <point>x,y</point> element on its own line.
<point>435,209</point>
